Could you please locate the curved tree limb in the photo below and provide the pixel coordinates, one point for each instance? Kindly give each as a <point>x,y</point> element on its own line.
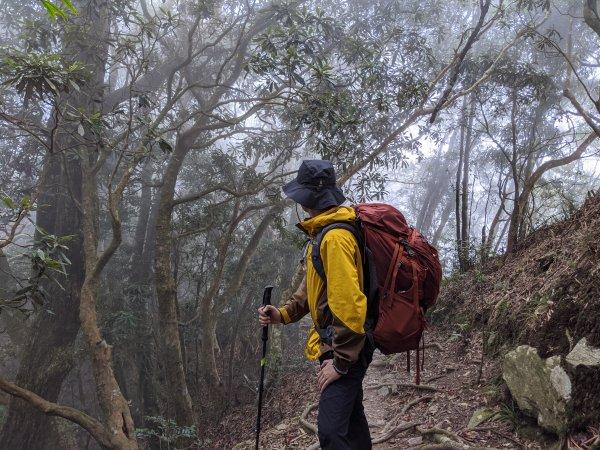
<point>591,16</point>
<point>90,424</point>
<point>586,116</point>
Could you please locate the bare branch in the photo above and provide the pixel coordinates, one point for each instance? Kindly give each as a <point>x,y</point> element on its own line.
<point>92,425</point>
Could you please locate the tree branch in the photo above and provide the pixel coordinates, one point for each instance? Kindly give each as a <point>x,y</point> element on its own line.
<point>90,424</point>
<point>461,56</point>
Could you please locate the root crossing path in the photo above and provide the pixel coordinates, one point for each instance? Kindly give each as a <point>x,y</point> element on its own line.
<point>456,405</point>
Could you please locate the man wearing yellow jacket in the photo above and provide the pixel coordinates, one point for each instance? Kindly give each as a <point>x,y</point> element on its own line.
<point>337,306</point>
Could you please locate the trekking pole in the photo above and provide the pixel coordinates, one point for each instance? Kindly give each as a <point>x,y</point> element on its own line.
<point>263,362</point>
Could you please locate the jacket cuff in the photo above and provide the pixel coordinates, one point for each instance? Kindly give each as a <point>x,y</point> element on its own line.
<point>340,365</point>
<point>285,317</point>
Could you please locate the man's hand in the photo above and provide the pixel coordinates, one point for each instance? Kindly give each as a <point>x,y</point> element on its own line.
<point>327,374</point>
<point>268,315</point>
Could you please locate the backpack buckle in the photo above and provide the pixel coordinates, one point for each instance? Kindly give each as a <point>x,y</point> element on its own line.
<point>407,248</point>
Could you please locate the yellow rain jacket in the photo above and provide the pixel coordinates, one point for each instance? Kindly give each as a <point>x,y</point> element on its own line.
<point>342,292</point>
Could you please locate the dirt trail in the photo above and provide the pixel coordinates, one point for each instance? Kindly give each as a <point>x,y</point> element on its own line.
<point>451,370</point>
<point>446,399</point>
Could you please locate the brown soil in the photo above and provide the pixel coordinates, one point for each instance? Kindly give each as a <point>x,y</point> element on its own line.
<point>452,368</point>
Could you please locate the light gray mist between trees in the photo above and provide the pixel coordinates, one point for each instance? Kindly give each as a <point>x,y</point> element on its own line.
<point>143,146</point>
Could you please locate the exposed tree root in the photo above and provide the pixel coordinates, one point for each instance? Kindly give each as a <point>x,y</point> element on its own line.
<point>447,372</point>
<point>386,434</point>
<point>452,441</point>
<point>435,345</point>
<point>394,431</point>
<point>505,436</point>
<point>304,418</point>
<point>414,402</point>
<point>444,446</point>
<point>423,387</point>
<point>441,432</point>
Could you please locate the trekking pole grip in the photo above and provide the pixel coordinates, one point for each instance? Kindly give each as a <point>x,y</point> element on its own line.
<point>265,302</point>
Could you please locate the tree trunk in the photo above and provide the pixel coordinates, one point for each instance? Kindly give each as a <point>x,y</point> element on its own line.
<point>491,235</point>
<point>515,216</point>
<point>138,270</point>
<point>166,291</point>
<point>11,322</point>
<point>208,354</point>
<point>457,186</point>
<point>115,408</point>
<point>436,186</point>
<point>444,217</point>
<point>47,357</point>
<point>465,240</point>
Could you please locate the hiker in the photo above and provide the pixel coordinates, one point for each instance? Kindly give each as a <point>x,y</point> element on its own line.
<point>338,308</point>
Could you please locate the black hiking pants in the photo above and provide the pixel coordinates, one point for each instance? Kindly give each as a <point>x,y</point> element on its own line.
<point>342,422</point>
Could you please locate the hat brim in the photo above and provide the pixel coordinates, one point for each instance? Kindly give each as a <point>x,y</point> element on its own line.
<point>324,198</point>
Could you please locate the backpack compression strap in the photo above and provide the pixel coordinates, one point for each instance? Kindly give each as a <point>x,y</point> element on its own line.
<point>316,244</point>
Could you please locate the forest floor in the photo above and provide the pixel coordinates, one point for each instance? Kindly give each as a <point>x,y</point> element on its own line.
<point>451,391</point>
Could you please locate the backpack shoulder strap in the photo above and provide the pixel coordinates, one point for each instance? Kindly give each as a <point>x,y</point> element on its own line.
<point>316,243</point>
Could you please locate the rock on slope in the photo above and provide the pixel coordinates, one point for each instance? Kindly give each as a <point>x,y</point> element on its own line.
<point>546,295</point>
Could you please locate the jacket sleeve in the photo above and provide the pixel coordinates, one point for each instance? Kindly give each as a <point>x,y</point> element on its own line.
<point>347,303</point>
<point>297,306</point>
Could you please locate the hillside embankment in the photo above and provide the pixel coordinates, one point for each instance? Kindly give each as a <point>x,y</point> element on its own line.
<point>546,294</point>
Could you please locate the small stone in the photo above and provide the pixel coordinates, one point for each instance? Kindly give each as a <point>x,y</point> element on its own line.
<point>379,362</point>
<point>479,416</point>
<point>584,354</point>
<point>384,391</point>
<point>415,441</point>
<point>281,427</point>
<point>433,409</point>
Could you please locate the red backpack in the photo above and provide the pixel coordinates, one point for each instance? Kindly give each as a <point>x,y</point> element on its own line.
<point>402,276</point>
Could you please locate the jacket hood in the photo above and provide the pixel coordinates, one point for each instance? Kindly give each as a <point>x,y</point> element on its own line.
<point>312,225</point>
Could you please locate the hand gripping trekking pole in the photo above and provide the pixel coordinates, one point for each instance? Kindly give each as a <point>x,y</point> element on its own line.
<point>263,362</point>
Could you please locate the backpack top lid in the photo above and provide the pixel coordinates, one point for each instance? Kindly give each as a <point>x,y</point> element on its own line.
<point>382,216</point>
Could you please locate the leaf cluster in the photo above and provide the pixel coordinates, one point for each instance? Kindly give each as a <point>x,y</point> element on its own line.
<point>59,10</point>
<point>40,75</point>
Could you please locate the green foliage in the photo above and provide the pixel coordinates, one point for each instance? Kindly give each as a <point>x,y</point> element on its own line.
<point>23,205</point>
<point>510,413</point>
<point>38,75</point>
<point>167,431</point>
<point>124,324</point>
<point>463,328</point>
<point>48,261</point>
<point>60,10</point>
<point>480,277</point>
<point>502,307</point>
